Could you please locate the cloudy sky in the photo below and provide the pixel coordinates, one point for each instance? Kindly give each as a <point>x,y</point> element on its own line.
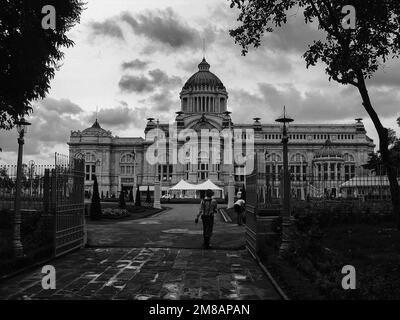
<point>131,59</point>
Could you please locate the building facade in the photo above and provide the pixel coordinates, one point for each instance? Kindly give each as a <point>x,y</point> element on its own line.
<point>322,152</point>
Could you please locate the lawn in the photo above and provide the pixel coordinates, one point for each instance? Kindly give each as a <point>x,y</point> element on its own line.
<point>373,249</point>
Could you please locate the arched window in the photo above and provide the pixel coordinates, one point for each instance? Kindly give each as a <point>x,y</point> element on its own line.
<point>348,157</point>
<point>349,167</point>
<point>79,155</point>
<point>90,166</point>
<point>298,166</point>
<point>127,164</point>
<point>90,157</point>
<point>297,158</point>
<point>273,165</point>
<point>202,165</point>
<point>273,157</point>
<point>128,158</point>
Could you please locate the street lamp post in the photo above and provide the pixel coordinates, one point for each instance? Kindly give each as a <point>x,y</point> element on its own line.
<point>231,181</point>
<point>286,217</point>
<point>31,165</point>
<point>157,180</point>
<point>22,126</point>
<point>99,169</point>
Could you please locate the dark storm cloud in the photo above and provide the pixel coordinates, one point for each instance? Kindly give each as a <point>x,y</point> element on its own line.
<point>137,84</point>
<point>164,101</point>
<point>164,27</point>
<point>142,84</point>
<point>136,64</point>
<point>108,28</point>
<point>62,106</point>
<point>389,76</point>
<point>295,36</point>
<point>120,117</point>
<point>313,105</point>
<point>52,121</point>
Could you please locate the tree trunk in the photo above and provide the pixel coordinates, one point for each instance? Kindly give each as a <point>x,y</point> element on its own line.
<point>383,134</point>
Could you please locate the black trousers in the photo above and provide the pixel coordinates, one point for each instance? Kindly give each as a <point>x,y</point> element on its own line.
<point>208,223</point>
<point>239,215</point>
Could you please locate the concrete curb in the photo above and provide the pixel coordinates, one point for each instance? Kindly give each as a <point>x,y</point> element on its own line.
<point>225,216</point>
<point>270,277</point>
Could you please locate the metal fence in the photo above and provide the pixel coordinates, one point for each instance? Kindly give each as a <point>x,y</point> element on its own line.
<point>52,206</point>
<point>306,187</point>
<point>32,190</point>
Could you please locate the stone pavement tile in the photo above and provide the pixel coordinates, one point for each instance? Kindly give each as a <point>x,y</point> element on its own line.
<point>107,292</point>
<point>139,273</point>
<point>91,289</point>
<point>190,293</point>
<point>171,290</point>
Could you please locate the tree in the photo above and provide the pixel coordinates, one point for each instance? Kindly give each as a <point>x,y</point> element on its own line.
<point>121,200</point>
<point>375,162</point>
<point>138,201</point>
<point>351,56</point>
<point>95,206</point>
<point>29,53</point>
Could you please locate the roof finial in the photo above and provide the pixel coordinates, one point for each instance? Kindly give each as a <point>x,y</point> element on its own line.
<point>97,107</point>
<point>204,48</point>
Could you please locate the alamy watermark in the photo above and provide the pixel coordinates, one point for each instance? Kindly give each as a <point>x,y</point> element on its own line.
<point>349,280</point>
<point>49,20</point>
<point>187,146</point>
<point>349,20</point>
<point>49,280</point>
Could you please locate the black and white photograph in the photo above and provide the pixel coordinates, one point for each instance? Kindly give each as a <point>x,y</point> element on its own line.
<point>197,158</point>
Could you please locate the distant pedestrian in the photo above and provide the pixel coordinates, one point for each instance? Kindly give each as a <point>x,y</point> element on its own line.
<point>208,207</point>
<point>239,208</point>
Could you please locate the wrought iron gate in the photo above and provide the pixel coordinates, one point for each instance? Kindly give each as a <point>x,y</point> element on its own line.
<point>65,201</point>
<point>251,212</point>
<point>262,210</point>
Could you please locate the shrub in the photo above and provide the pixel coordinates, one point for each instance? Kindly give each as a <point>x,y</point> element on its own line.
<point>95,207</point>
<point>138,201</point>
<point>121,202</point>
<point>148,197</point>
<point>110,213</point>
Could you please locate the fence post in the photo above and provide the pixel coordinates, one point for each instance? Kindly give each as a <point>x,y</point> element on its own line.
<point>53,205</point>
<point>46,191</point>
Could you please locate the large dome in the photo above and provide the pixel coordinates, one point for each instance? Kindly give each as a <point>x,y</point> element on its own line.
<point>204,78</point>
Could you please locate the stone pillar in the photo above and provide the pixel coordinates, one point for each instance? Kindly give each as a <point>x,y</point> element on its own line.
<point>336,171</point>
<point>157,194</point>
<point>231,192</point>
<point>302,182</point>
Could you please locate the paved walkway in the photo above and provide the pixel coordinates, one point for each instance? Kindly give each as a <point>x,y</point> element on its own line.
<point>174,228</point>
<point>154,258</point>
<point>147,274</point>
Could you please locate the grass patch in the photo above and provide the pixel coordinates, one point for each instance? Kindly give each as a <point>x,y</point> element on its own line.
<point>374,251</point>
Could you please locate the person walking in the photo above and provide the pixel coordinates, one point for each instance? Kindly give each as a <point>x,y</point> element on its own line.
<point>239,209</point>
<point>208,207</point>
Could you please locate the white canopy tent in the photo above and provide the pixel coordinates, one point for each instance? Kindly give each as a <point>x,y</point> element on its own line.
<point>191,189</point>
<point>183,185</point>
<point>208,185</point>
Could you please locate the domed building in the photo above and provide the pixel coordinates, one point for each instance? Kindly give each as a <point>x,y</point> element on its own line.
<point>204,92</point>
<point>328,153</point>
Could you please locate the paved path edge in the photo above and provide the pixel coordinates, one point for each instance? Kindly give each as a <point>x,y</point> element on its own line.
<point>270,277</point>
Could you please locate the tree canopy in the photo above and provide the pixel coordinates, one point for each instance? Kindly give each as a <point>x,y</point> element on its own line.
<point>29,53</point>
<point>348,53</point>
<point>351,55</point>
